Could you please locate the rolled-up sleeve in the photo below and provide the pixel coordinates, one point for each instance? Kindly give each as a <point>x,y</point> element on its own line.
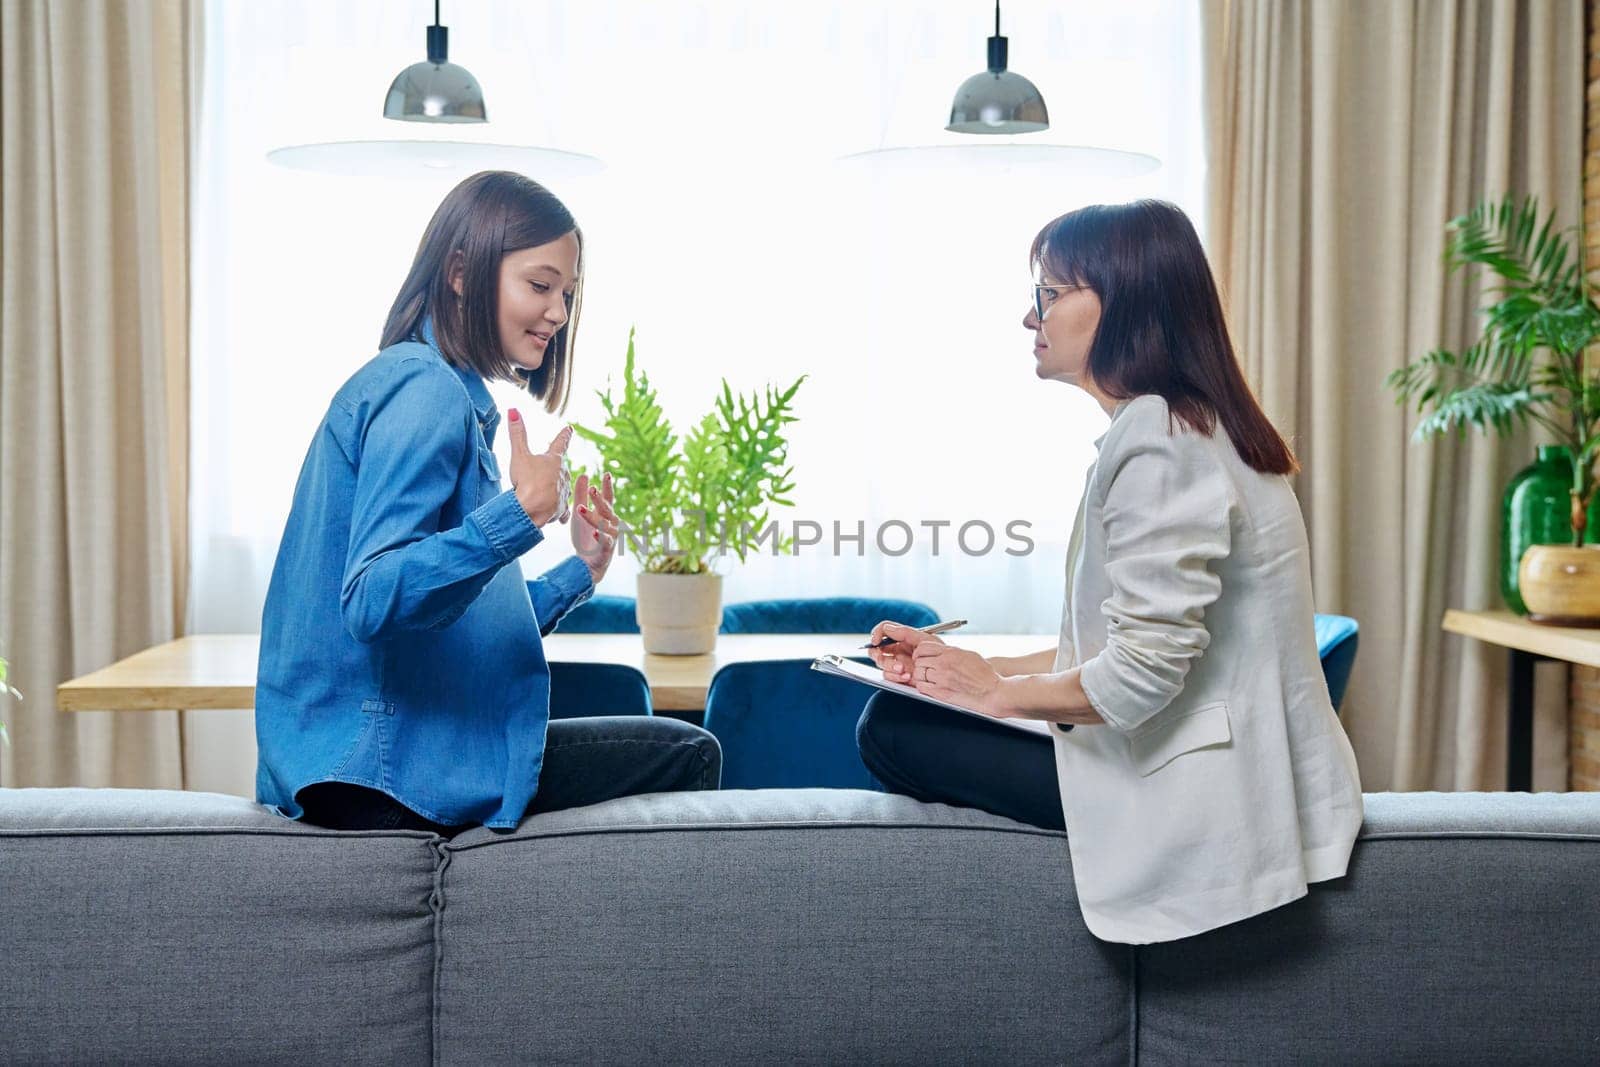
<point>402,572</point>
<point>1168,517</point>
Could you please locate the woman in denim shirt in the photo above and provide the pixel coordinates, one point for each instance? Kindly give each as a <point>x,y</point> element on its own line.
<point>402,680</point>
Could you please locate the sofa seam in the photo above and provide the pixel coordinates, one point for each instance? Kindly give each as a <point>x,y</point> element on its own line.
<point>436,902</point>
<point>846,824</point>
<point>720,827</point>
<point>249,831</point>
<point>1508,835</point>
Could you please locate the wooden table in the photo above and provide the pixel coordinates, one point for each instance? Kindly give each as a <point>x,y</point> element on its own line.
<point>219,670</point>
<point>1528,643</point>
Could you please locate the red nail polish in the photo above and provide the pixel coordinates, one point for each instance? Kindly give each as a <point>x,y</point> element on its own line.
<point>514,416</point>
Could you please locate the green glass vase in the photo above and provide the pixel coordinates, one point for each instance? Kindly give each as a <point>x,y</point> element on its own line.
<point>1536,511</point>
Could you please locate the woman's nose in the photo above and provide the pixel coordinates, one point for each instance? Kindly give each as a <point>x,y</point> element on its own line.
<point>1029,321</point>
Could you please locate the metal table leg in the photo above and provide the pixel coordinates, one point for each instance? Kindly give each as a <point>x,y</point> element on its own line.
<point>1519,723</point>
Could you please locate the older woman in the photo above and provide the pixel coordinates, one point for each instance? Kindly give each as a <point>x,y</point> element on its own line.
<point>1194,757</point>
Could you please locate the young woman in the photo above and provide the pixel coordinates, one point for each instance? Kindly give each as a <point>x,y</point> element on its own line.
<point>1194,758</point>
<point>402,681</point>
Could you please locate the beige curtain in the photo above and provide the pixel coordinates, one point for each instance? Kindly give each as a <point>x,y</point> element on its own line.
<point>95,114</point>
<point>1342,135</point>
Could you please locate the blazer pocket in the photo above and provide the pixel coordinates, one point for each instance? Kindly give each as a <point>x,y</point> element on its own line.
<point>1203,727</point>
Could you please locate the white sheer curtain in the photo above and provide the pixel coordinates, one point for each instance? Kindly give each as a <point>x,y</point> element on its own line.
<point>723,228</point>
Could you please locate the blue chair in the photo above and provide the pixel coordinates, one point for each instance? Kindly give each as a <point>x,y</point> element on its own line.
<point>601,615</point>
<point>822,615</point>
<point>780,723</point>
<point>1337,638</point>
<point>581,689</point>
<point>783,725</point>
<point>578,690</point>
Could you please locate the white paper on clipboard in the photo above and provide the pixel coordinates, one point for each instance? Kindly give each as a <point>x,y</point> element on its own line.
<point>867,674</point>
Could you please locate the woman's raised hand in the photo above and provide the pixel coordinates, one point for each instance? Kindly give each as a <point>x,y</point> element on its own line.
<point>895,660</point>
<point>595,525</point>
<point>539,480</point>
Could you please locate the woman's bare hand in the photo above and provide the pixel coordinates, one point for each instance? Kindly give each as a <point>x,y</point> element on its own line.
<point>538,480</point>
<point>895,660</point>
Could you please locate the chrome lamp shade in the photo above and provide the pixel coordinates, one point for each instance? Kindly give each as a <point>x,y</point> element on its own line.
<point>435,92</point>
<point>999,102</point>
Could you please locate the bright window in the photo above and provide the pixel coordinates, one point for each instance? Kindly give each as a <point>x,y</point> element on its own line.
<point>723,228</point>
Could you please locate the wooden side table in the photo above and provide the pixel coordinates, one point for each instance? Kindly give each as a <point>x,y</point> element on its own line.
<point>1528,643</point>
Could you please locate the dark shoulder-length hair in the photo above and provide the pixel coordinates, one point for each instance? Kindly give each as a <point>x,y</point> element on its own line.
<point>1161,326</point>
<point>487,216</point>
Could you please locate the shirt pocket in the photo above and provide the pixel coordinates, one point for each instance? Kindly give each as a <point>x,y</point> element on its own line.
<point>1167,739</point>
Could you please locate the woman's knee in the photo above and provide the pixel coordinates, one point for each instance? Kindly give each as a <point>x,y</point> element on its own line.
<point>883,722</point>
<point>708,754</point>
<point>703,752</point>
<point>884,714</point>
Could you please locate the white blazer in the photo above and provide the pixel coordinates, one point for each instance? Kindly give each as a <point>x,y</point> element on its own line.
<point>1222,782</point>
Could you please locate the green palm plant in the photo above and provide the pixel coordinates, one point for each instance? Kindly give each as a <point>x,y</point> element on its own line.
<point>1528,366</point>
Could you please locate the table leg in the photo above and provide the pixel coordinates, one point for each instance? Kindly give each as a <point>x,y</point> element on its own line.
<point>183,779</point>
<point>1519,723</point>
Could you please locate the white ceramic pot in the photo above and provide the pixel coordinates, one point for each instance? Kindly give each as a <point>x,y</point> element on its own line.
<point>679,614</point>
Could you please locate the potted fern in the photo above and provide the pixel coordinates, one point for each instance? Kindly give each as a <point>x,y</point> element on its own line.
<point>1527,368</point>
<point>684,503</point>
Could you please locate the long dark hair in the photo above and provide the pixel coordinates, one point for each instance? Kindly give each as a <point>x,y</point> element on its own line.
<point>1161,326</point>
<point>487,216</point>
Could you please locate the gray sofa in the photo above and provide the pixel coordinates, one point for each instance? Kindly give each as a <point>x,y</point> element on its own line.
<point>782,926</point>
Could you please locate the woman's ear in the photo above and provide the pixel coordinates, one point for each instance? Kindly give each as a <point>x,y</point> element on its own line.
<point>457,272</point>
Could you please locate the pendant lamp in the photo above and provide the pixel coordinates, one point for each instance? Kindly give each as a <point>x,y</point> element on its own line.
<point>435,90</point>
<point>998,101</point>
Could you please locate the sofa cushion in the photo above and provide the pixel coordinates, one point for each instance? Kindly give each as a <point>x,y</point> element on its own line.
<point>781,926</point>
<point>171,928</point>
<point>1461,934</point>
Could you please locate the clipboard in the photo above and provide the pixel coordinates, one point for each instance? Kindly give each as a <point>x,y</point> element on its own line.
<point>867,674</point>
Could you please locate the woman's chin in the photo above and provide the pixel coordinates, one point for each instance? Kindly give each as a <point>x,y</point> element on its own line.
<point>1048,373</point>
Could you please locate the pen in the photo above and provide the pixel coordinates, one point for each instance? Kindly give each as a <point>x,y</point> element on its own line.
<point>936,628</point>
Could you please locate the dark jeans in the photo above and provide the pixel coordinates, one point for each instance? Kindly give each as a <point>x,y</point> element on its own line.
<point>935,755</point>
<point>585,761</point>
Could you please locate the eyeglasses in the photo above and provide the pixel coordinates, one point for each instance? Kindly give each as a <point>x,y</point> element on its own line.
<point>1041,302</point>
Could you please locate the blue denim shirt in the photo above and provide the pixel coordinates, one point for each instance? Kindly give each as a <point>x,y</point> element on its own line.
<point>400,646</point>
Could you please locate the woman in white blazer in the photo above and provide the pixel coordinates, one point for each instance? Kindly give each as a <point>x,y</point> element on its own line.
<point>1193,756</point>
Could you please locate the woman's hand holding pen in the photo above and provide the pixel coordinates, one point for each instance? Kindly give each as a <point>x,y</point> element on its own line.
<point>895,659</point>
<point>595,526</point>
<point>539,480</point>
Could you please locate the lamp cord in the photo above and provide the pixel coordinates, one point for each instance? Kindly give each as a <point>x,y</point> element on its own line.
<point>436,12</point>
<point>996,16</point>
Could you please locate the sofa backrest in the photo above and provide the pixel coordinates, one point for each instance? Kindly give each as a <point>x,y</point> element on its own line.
<point>773,927</point>
<point>1462,933</point>
<point>166,927</point>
